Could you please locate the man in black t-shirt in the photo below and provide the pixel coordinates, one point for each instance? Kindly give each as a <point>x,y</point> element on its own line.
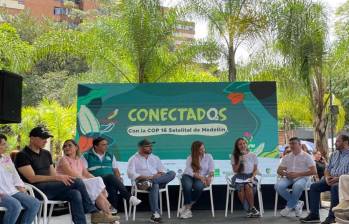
<point>36,167</point>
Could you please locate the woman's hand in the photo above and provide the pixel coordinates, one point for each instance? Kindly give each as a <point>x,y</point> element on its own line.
<point>208,181</point>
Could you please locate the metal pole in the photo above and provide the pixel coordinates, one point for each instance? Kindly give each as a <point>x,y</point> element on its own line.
<point>331,115</point>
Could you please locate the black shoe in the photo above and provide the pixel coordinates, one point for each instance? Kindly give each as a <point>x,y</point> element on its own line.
<point>310,219</point>
<point>248,213</point>
<point>329,220</point>
<point>254,212</point>
<point>155,219</point>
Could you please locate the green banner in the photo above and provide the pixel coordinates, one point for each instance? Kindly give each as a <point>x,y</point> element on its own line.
<point>176,114</point>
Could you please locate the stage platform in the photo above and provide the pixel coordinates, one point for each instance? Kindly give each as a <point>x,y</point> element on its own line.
<point>204,217</point>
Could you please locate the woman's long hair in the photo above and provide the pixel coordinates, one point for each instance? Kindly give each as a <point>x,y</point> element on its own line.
<point>76,145</point>
<point>195,155</point>
<point>237,154</point>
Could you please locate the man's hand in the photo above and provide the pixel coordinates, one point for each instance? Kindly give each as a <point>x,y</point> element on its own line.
<point>332,180</point>
<point>292,175</point>
<point>67,180</point>
<point>159,174</point>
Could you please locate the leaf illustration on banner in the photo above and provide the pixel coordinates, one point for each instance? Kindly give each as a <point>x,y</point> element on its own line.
<point>88,122</point>
<point>113,114</point>
<point>235,98</point>
<point>107,127</point>
<point>259,149</point>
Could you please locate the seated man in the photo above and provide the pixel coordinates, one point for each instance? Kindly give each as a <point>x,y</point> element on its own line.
<point>147,170</point>
<point>36,167</point>
<point>13,194</point>
<point>295,169</point>
<point>100,162</point>
<point>337,166</point>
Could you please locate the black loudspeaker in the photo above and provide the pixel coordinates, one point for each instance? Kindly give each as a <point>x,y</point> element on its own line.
<point>10,97</point>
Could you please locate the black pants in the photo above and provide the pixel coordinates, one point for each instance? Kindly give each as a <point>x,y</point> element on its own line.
<point>114,186</point>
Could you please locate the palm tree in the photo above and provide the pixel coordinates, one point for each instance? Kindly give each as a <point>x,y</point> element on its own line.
<point>61,121</point>
<point>232,23</point>
<point>136,39</point>
<point>301,38</point>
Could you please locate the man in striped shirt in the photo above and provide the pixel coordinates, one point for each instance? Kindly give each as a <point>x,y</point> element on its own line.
<point>338,165</point>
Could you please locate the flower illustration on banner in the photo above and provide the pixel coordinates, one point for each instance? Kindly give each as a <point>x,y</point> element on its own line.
<point>235,98</point>
<point>247,136</point>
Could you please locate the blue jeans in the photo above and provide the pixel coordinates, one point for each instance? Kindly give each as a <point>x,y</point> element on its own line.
<point>192,189</point>
<point>314,195</point>
<point>75,194</point>
<point>14,205</point>
<point>298,186</point>
<point>158,183</point>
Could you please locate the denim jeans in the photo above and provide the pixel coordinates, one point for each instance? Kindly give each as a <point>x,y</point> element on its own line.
<point>114,185</point>
<point>298,186</point>
<point>158,183</point>
<point>75,194</point>
<point>14,205</point>
<point>192,189</point>
<point>314,196</point>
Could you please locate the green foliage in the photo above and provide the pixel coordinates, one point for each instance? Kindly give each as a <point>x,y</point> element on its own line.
<point>231,23</point>
<point>61,121</point>
<point>15,54</point>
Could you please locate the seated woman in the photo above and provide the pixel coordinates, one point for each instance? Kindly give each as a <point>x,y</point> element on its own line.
<point>244,164</point>
<point>320,164</point>
<point>197,175</point>
<point>70,164</point>
<point>13,195</point>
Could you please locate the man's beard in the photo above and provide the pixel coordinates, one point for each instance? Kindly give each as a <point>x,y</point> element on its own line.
<point>148,152</point>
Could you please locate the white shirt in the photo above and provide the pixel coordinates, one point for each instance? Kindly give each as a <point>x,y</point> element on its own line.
<point>101,157</point>
<point>206,165</point>
<point>297,163</point>
<point>139,165</point>
<point>250,160</point>
<point>9,177</point>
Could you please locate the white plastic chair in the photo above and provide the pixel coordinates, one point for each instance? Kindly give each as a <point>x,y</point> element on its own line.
<point>31,193</point>
<point>45,202</point>
<point>181,197</point>
<point>289,190</point>
<point>231,190</point>
<point>135,191</point>
<point>125,208</point>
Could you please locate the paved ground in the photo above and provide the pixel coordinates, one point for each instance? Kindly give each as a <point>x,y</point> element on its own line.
<point>204,217</point>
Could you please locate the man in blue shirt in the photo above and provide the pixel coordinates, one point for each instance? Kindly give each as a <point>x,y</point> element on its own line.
<point>337,166</point>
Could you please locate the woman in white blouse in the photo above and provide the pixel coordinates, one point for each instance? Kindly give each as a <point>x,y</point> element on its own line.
<point>244,164</point>
<point>12,191</point>
<point>197,175</point>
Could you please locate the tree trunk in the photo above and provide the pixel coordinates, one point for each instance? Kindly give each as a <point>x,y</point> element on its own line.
<point>141,74</point>
<point>231,63</point>
<point>319,112</point>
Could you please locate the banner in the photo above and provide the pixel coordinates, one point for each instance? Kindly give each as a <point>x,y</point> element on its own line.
<point>176,114</point>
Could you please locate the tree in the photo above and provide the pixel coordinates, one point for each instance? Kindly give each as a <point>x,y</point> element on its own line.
<point>301,38</point>
<point>136,40</point>
<point>61,122</point>
<point>15,54</point>
<point>232,23</point>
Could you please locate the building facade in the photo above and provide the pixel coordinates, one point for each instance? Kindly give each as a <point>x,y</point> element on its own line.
<point>53,9</point>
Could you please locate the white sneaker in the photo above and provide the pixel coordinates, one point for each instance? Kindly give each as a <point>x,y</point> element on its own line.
<point>286,211</point>
<point>134,201</point>
<point>299,208</point>
<point>185,213</point>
